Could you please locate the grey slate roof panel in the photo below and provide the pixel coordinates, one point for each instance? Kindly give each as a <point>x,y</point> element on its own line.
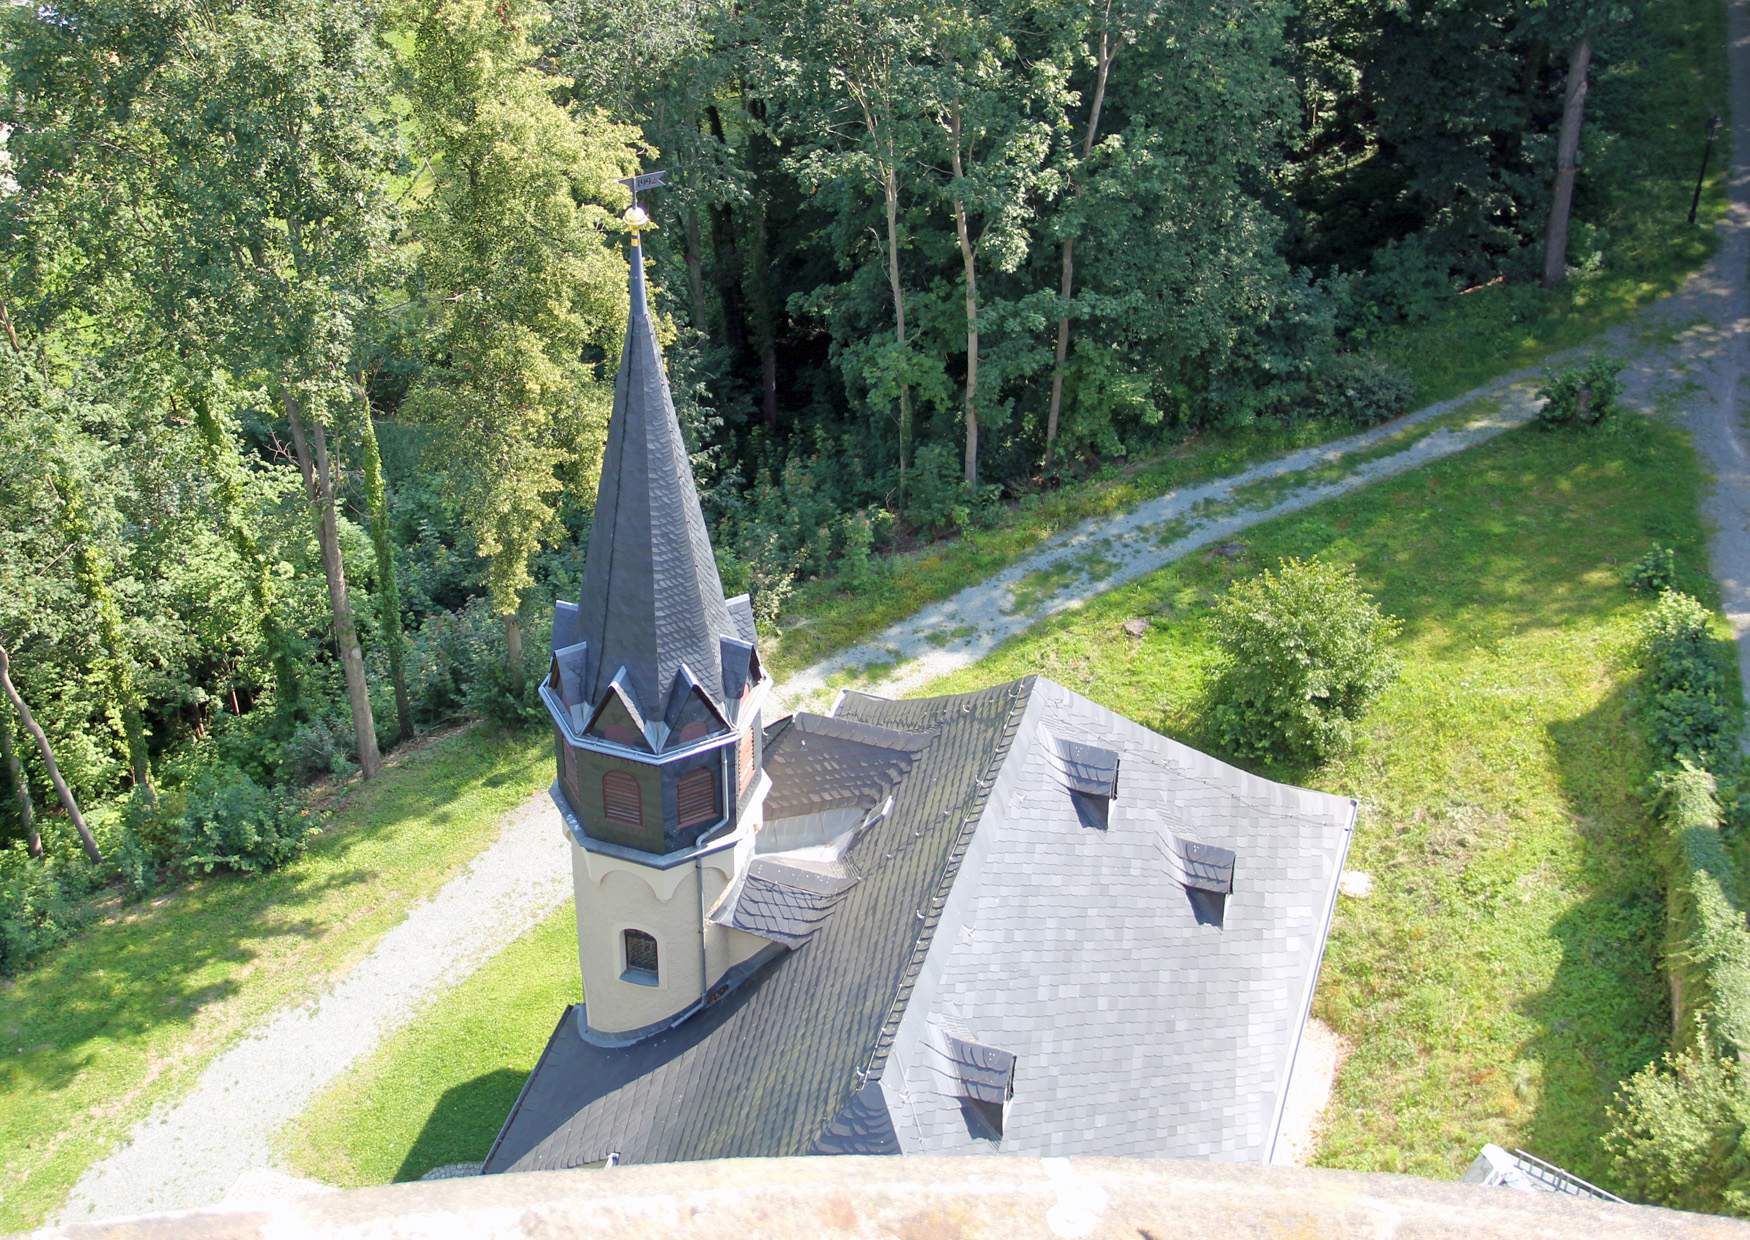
<point>651,597</point>
<point>785,902</point>
<point>984,909</point>
<point>822,762</point>
<point>764,1070</point>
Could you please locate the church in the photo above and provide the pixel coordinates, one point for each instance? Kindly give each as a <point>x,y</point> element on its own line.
<point>1004,921</point>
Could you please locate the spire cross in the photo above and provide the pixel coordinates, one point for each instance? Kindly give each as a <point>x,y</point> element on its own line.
<point>636,217</point>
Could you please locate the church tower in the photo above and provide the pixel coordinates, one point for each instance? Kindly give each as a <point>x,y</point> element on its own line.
<point>656,692</point>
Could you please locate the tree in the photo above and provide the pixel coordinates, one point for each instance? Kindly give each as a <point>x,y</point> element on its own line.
<point>48,755</point>
<point>20,789</point>
<point>994,116</point>
<point>240,154</point>
<point>388,584</point>
<point>517,259</point>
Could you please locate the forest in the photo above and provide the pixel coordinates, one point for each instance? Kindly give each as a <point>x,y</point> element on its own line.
<point>311,312</point>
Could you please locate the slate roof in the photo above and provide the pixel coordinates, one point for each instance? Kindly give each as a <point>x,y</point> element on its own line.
<point>987,934</point>
<point>651,598</point>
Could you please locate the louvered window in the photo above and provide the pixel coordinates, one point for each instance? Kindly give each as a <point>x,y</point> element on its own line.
<point>744,760</point>
<point>696,797</point>
<point>622,801</point>
<point>640,956</point>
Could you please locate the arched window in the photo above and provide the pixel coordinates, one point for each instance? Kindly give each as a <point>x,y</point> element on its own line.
<point>696,797</point>
<point>640,957</point>
<point>622,800</point>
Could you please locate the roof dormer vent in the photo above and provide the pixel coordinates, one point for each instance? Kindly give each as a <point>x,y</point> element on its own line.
<point>1205,871</point>
<point>1089,773</point>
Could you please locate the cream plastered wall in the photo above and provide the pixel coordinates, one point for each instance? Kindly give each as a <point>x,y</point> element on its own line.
<point>615,895</point>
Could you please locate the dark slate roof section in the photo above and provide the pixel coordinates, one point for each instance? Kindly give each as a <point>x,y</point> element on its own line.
<point>1080,767</point>
<point>865,1126</point>
<point>741,612</point>
<point>766,1069</point>
<point>1141,1025</point>
<point>651,597</point>
<point>978,1072</point>
<point>822,762</point>
<point>783,901</point>
<point>1203,867</point>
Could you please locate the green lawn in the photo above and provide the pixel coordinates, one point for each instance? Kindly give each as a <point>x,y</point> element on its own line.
<point>131,1011</point>
<point>1503,976</point>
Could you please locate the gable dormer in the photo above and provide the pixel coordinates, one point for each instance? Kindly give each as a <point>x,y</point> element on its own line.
<point>617,719</point>
<point>691,715</point>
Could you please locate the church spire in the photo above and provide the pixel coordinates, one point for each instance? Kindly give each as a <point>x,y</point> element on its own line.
<point>652,600</point>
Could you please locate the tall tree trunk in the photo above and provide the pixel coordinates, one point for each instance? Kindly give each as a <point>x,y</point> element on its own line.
<point>123,708</point>
<point>1555,244</point>
<point>319,484</point>
<point>20,789</point>
<point>723,242</point>
<point>513,651</point>
<point>225,467</point>
<point>762,162</point>
<point>695,268</point>
<point>890,198</point>
<point>389,587</point>
<point>1066,279</point>
<point>968,260</point>
<point>48,756</point>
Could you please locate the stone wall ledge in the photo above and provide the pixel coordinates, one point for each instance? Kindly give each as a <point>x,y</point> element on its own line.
<point>991,1198</point>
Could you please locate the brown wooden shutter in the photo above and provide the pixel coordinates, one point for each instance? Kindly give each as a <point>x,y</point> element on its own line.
<point>622,799</point>
<point>744,760</point>
<point>696,797</point>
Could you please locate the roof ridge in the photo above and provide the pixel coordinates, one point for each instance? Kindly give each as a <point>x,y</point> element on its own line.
<point>1021,695</point>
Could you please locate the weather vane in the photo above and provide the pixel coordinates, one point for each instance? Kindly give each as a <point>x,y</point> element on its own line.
<point>636,217</point>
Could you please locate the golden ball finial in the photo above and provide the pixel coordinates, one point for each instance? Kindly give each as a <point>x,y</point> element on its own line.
<point>637,219</point>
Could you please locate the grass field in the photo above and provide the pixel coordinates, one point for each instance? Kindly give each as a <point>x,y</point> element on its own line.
<point>1502,977</point>
<point>131,1011</point>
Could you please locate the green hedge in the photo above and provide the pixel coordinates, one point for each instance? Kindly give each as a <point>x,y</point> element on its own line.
<point>1678,1127</point>
<point>1707,944</point>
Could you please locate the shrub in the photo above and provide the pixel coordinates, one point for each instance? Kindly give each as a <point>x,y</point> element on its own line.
<point>317,747</point>
<point>1676,1134</point>
<point>1654,572</point>
<point>1359,388</point>
<point>41,902</point>
<point>1685,713</point>
<point>1307,652</point>
<point>233,823</point>
<point>857,571</point>
<point>1583,395</point>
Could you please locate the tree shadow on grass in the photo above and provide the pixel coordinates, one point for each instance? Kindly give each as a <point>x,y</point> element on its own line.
<point>1606,1012</point>
<point>462,1125</point>
<point>159,966</point>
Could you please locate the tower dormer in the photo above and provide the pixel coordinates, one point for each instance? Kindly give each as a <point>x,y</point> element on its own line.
<point>655,691</point>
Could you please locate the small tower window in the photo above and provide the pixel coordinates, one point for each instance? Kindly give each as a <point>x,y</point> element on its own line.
<point>696,797</point>
<point>640,957</point>
<point>622,800</point>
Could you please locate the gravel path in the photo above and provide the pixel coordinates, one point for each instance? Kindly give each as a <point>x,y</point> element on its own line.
<point>190,1152</point>
<point>1709,319</point>
<point>1690,348</point>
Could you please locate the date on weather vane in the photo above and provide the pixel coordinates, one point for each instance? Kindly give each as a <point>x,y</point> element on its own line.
<point>636,217</point>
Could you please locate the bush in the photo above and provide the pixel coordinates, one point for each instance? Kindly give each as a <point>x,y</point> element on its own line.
<point>1707,944</point>
<point>1654,572</point>
<point>1676,1134</point>
<point>1583,395</point>
<point>42,902</point>
<point>233,823</point>
<point>1307,653</point>
<point>1359,388</point>
<point>1686,686</point>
